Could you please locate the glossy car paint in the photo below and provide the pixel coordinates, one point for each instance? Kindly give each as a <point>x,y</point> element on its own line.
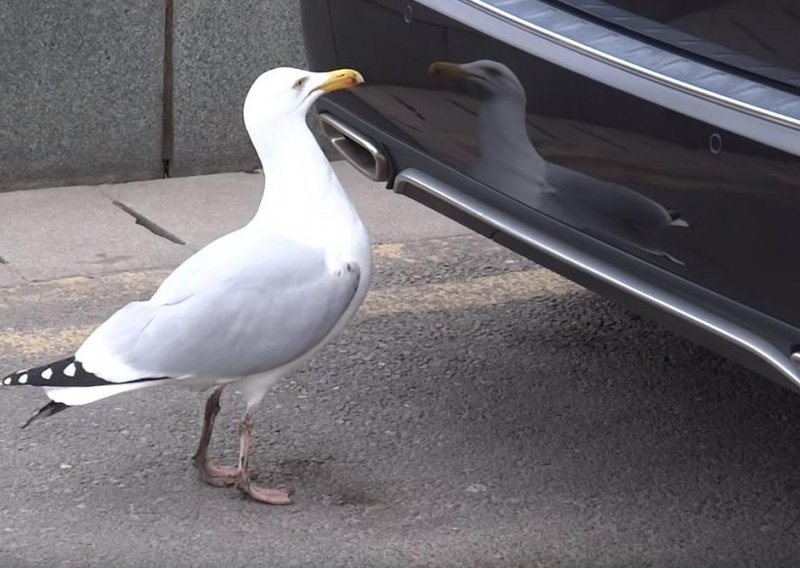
<point>729,184</point>
<point>738,199</point>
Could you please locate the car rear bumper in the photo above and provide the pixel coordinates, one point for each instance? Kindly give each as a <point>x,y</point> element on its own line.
<point>725,312</point>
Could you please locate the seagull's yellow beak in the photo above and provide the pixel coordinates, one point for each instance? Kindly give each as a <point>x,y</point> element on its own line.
<point>446,69</point>
<point>341,79</point>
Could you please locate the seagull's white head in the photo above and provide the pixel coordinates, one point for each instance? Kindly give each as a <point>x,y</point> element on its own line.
<point>485,79</point>
<point>284,95</point>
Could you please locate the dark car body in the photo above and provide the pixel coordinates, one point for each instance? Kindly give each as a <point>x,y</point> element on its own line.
<point>647,150</point>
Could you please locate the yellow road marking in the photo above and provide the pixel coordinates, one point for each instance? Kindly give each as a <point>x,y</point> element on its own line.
<point>390,250</point>
<point>45,341</point>
<point>466,294</point>
<point>424,298</point>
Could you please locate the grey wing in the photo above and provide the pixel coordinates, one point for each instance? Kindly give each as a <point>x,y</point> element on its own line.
<point>238,316</point>
<point>616,202</point>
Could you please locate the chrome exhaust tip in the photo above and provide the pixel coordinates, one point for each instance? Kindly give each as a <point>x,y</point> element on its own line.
<point>356,148</point>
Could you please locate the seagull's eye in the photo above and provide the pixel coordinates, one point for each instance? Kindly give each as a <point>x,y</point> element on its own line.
<point>300,82</point>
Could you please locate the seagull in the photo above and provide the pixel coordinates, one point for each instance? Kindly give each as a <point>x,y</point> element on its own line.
<point>510,162</point>
<point>252,305</point>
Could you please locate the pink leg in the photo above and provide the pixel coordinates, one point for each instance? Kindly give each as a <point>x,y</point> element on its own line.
<point>218,476</point>
<point>243,482</point>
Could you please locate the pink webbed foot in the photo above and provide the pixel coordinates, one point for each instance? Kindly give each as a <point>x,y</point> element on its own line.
<point>264,494</point>
<point>218,475</point>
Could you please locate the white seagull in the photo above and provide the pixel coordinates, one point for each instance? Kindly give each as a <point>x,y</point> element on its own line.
<point>510,162</point>
<point>252,305</point>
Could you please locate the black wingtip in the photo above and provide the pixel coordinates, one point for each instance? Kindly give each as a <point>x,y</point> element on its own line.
<point>48,409</point>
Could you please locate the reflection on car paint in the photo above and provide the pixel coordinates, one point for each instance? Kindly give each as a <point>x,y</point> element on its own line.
<point>741,202</point>
<point>508,161</point>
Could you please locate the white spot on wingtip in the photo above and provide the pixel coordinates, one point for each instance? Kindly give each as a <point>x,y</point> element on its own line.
<point>47,373</point>
<point>70,370</point>
<point>7,381</point>
<point>23,378</point>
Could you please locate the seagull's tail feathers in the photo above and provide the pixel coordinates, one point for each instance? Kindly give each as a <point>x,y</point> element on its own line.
<point>62,398</point>
<point>67,383</point>
<point>48,409</point>
<point>64,373</point>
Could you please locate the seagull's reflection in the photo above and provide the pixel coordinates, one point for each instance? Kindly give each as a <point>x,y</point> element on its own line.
<point>508,161</point>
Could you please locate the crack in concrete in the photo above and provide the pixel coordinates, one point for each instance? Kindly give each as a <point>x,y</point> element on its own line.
<point>151,226</point>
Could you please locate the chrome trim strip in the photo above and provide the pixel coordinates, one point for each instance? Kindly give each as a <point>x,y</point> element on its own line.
<point>340,133</point>
<point>643,71</point>
<point>726,112</point>
<point>606,273</point>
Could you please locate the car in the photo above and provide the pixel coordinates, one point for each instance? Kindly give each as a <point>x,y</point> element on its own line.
<point>647,150</point>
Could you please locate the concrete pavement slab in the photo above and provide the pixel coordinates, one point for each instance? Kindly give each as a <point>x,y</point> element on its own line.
<point>50,233</point>
<point>196,209</point>
<point>8,277</point>
<point>199,209</point>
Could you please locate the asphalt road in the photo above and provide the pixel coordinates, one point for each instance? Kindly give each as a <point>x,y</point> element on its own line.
<point>480,411</point>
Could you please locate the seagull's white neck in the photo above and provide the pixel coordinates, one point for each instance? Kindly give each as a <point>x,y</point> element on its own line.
<point>296,171</point>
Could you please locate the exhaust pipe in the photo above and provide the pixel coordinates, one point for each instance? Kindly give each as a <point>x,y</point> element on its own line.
<point>356,148</point>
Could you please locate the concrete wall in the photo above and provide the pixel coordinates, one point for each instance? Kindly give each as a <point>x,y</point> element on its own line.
<point>82,84</point>
<point>220,48</point>
<point>80,91</point>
